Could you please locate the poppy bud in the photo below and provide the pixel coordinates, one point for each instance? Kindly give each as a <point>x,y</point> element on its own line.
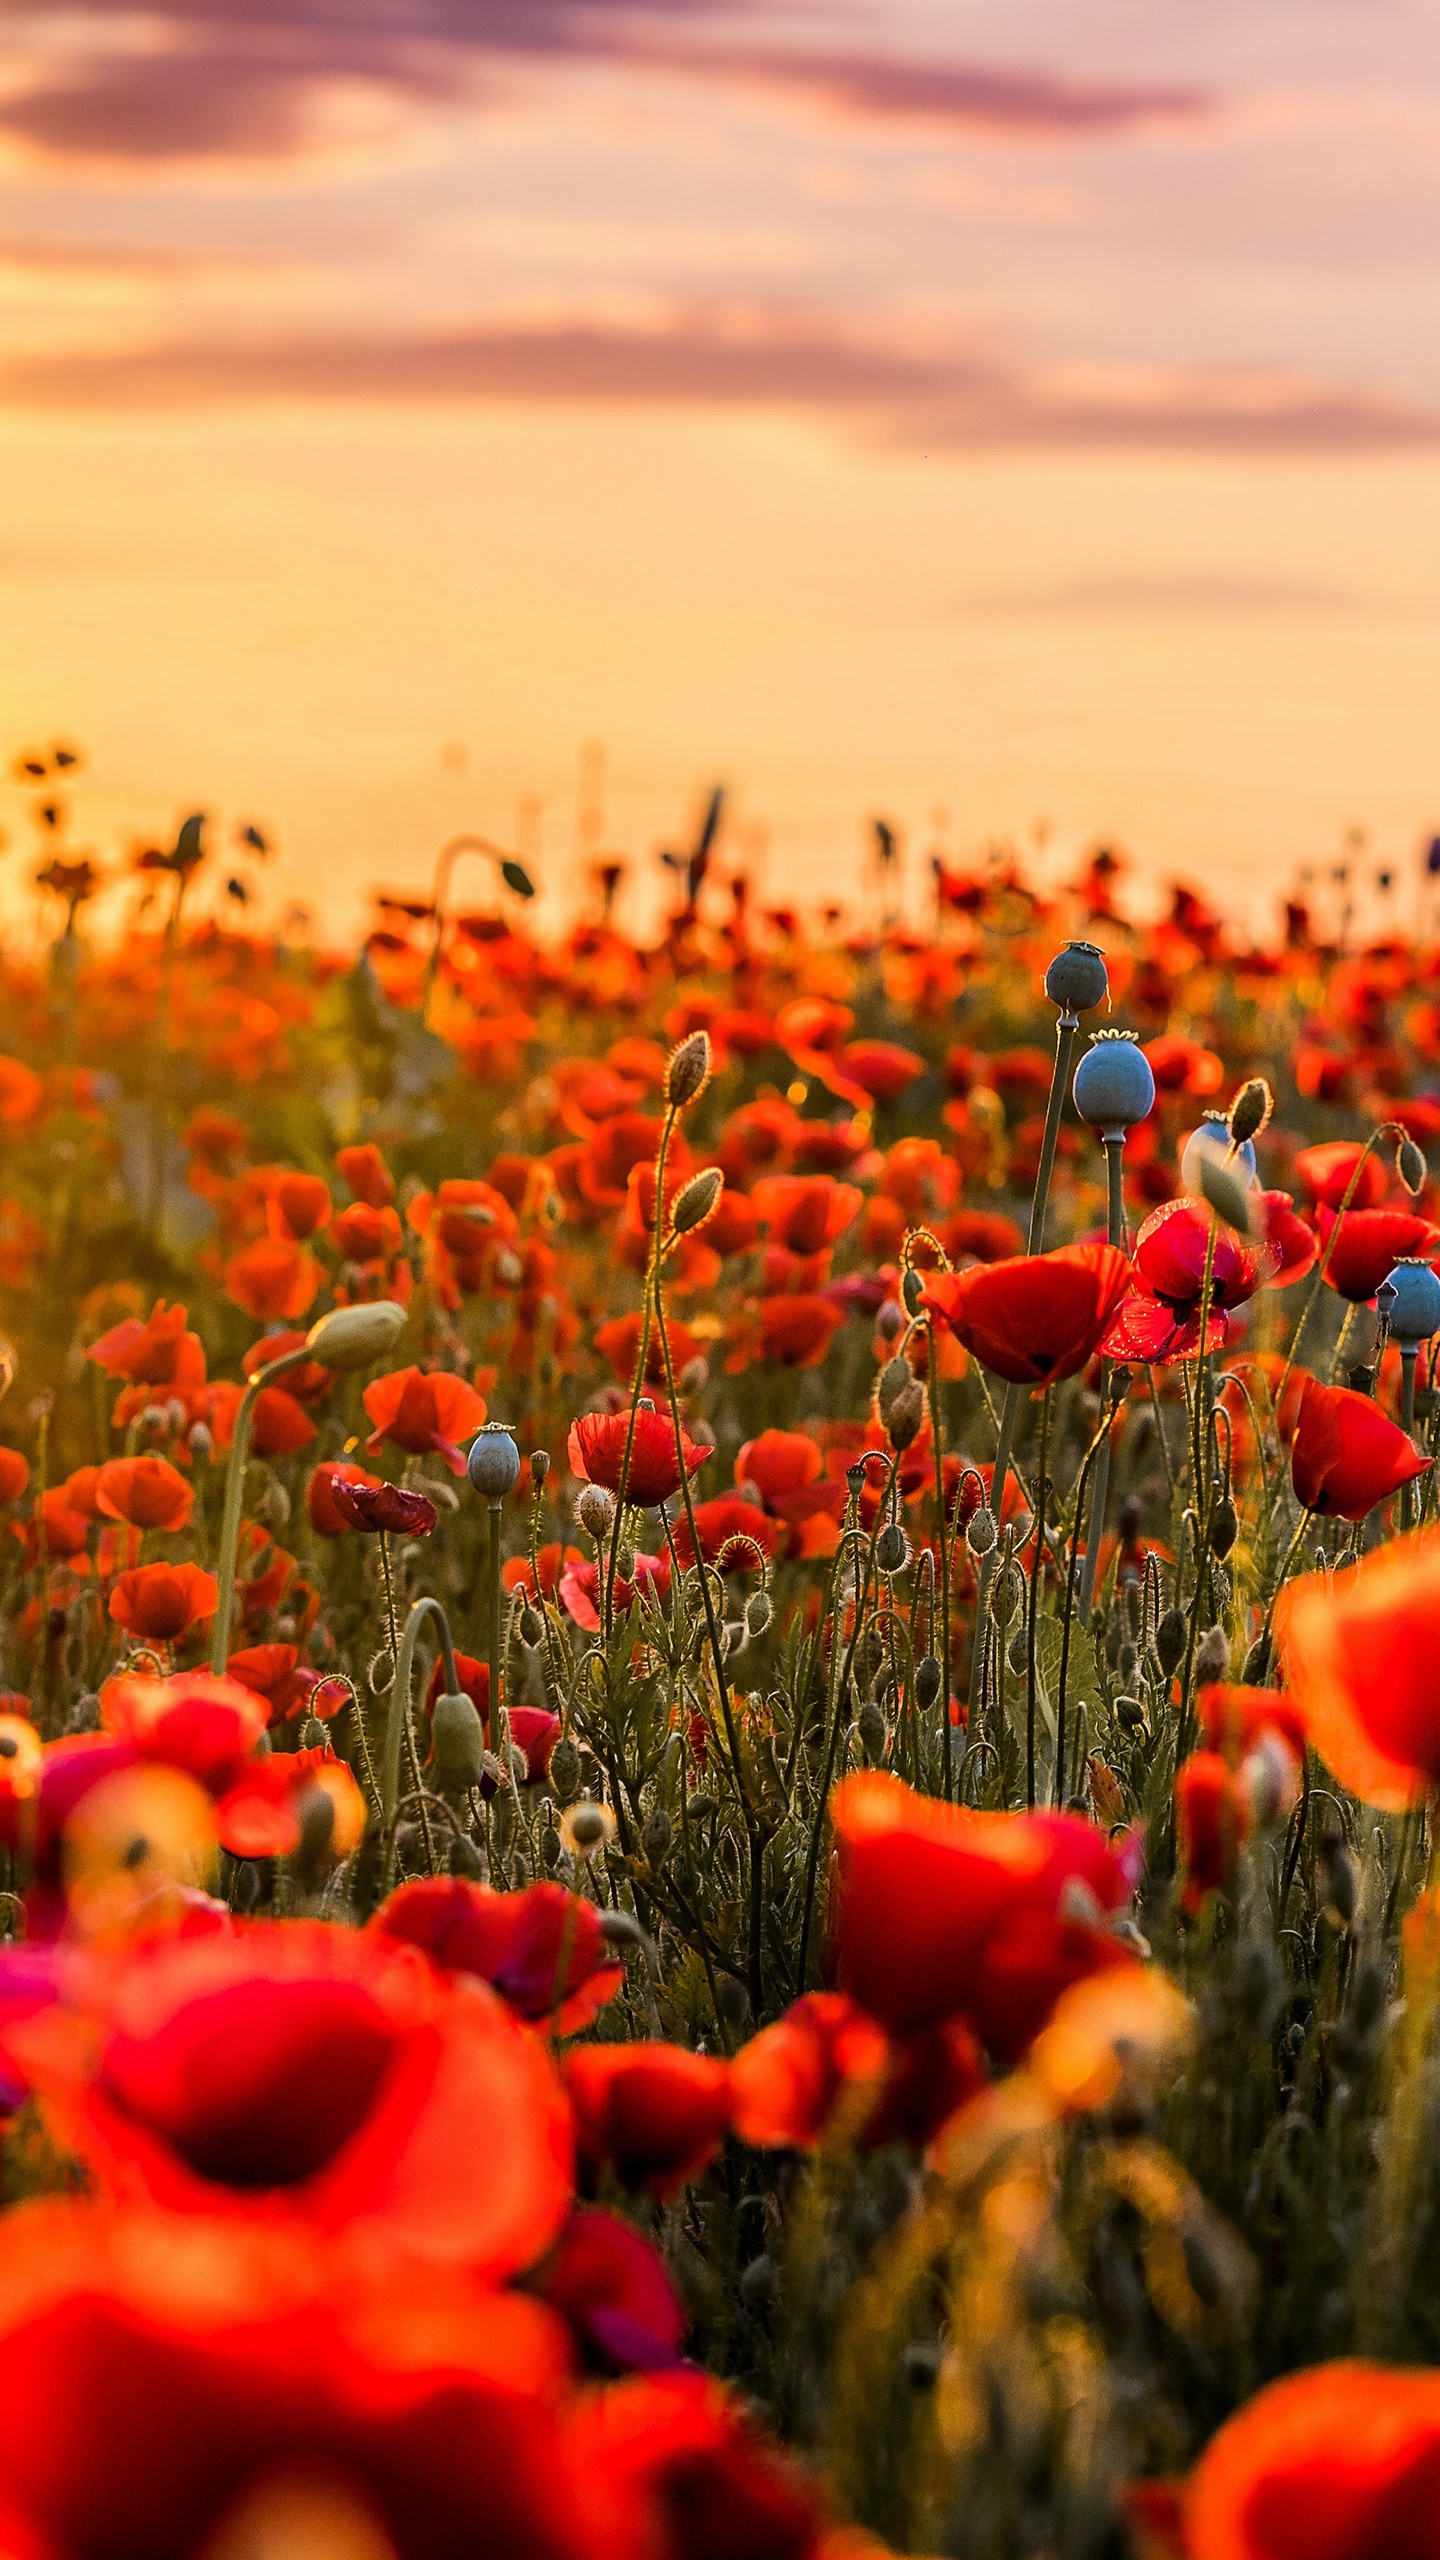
<point>586,1827</point>
<point>892,1548</point>
<point>906,1415</point>
<point>625,1561</point>
<point>656,1837</point>
<point>200,1443</point>
<point>698,1201</point>
<point>981,1534</point>
<point>758,1613</point>
<point>687,1070</point>
<point>1410,1165</point>
<point>459,1740</point>
<point>890,1320</point>
<point>594,1510</point>
<point>1076,979</point>
<point>550,1847</point>
<point>1004,1600</point>
<point>1017,1651</point>
<point>927,1682</point>
<point>894,1378</point>
<point>1212,1655</point>
<point>694,1375</point>
<point>912,1290</point>
<point>760,2284</point>
<point>873,1731</point>
<point>1170,1640</point>
<point>465,1858</point>
<point>532,1626</point>
<point>493,1464</point>
<point>356,1337</point>
<point>855,1478</point>
<point>539,1467</point>
<point>1114,1086</point>
<point>565,1769</point>
<point>1224,1525</point>
<point>313,1736</point>
<point>1130,1713</point>
<point>1257,1663</point>
<point>1250,1110</point>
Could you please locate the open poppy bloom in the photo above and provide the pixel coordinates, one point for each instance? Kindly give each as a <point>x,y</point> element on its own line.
<point>654,2113</point>
<point>221,2384</point>
<point>1360,1653</point>
<point>543,1950</point>
<point>379,1507</point>
<point>1162,1320</point>
<point>420,1410</point>
<point>676,2447</point>
<point>1331,2464</point>
<point>273,1277</point>
<point>881,1068</point>
<point>157,1353</point>
<point>326,1517</point>
<point>298,1206</point>
<point>986,1916</point>
<point>1296,1242</point>
<point>788,2083</point>
<point>796,1332</point>
<point>148,1492</point>
<point>1210,1823</point>
<point>1346,1454</point>
<point>276,1674</point>
<point>619,1340</point>
<point>805,1213</point>
<point>1361,1249</point>
<point>311,2076</point>
<point>596,1451</point>
<point>582,1583</point>
<point>162,1600</point>
<point>779,1463</point>
<point>1037,1318</point>
<point>279,1423</point>
<point>1328,1171</point>
<point>611,2286</point>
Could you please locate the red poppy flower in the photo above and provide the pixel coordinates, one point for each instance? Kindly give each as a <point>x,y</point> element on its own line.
<point>943,1912</point>
<point>779,1463</point>
<point>709,2484</point>
<point>157,1353</point>
<point>580,1586</point>
<point>148,1492</point>
<point>419,1409</point>
<point>796,1332</point>
<point>1209,1823</point>
<point>377,1507</point>
<point>805,1213</point>
<point>14,1474</point>
<point>325,1515</point>
<point>1362,1248</point>
<point>209,1727</point>
<point>729,1517</point>
<point>1360,1653</point>
<point>619,1343</point>
<point>1296,1243</point>
<point>237,2397</point>
<point>1346,1454</point>
<point>1233,1719</point>
<point>273,1277</point>
<point>929,2076</point>
<point>315,2075</point>
<point>980,1235</point>
<point>162,1600</point>
<point>1037,1318</point>
<point>1326,1172</point>
<point>1162,1320</point>
<point>279,1424</point>
<point>653,2113</point>
<point>543,1950</point>
<point>364,1169</point>
<point>787,2083</point>
<point>612,2288</point>
<point>299,1206</point>
<point>1180,1065</point>
<point>1326,2465</point>
<point>364,1234</point>
<point>275,1673</point>
<point>596,1450</point>
<point>881,1068</point>
<point>307,1384</point>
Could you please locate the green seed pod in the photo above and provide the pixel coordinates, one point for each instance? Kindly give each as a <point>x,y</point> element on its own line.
<point>459,1741</point>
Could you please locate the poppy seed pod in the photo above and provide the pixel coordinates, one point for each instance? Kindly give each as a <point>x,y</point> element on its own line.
<point>493,1464</point>
<point>459,1740</point>
<point>1212,1140</point>
<point>698,1201</point>
<point>1414,1310</point>
<point>539,1467</point>
<point>1076,979</point>
<point>687,1070</point>
<point>355,1337</point>
<point>1113,1085</point>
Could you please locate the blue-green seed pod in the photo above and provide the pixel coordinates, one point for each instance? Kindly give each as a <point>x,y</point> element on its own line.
<point>1113,1084</point>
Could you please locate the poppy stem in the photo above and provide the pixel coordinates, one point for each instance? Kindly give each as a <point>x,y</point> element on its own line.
<point>499,1732</point>
<point>235,1497</point>
<point>1408,1352</point>
<point>1065,1031</point>
<point>1114,1144</point>
<point>1040,1491</point>
<point>1009,1414</point>
<point>933,1383</point>
<point>1100,1441</point>
<point>642,1355</point>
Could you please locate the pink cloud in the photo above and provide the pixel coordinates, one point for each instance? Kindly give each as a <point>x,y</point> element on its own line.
<point>946,402</point>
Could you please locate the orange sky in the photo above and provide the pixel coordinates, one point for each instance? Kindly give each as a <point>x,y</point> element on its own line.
<point>839,404</point>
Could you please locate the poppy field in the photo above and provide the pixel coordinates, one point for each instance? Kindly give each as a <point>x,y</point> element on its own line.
<point>721,1700</point>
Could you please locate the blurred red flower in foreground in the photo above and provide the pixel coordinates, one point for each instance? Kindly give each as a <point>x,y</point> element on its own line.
<point>943,1912</point>
<point>654,2113</point>
<point>677,2448</point>
<point>1038,1318</point>
<point>597,1455</point>
<point>787,2082</point>
<point>314,2076</point>
<point>1209,1823</point>
<point>543,1950</point>
<point>1346,1454</point>
<point>1335,2464</point>
<point>1360,1651</point>
<point>611,2285</point>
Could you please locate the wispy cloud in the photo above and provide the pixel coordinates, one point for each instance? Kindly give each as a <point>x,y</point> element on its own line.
<point>249,79</point>
<point>948,402</point>
<point>1168,596</point>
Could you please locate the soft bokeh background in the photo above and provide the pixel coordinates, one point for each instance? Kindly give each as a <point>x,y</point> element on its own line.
<point>1030,416</point>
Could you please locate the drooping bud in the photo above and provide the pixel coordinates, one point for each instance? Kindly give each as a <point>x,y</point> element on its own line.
<point>873,1731</point>
<point>890,1320</point>
<point>355,1337</point>
<point>1250,1110</point>
<point>1171,1637</point>
<point>912,1290</point>
<point>565,1769</point>
<point>758,1613</point>
<point>656,1837</point>
<point>493,1464</point>
<point>695,1376</point>
<point>458,1740</point>
<point>893,1380</point>
<point>687,1070</point>
<point>1224,1526</point>
<point>1410,1165</point>
<point>532,1626</point>
<point>1212,1655</point>
<point>698,1201</point>
<point>200,1443</point>
<point>892,1548</point>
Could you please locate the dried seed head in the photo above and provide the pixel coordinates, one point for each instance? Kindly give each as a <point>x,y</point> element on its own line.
<point>539,1467</point>
<point>698,1201</point>
<point>1250,1110</point>
<point>687,1070</point>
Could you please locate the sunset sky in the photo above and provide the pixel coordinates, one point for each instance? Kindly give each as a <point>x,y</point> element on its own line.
<point>882,405</point>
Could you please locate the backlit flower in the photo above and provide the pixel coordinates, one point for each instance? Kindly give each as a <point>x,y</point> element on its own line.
<point>162,1600</point>
<point>420,1410</point>
<point>543,1950</point>
<point>1360,1652</point>
<point>654,2113</point>
<point>148,1492</point>
<point>1037,1318</point>
<point>1346,1454</point>
<point>596,1451</point>
<point>1335,2464</point>
<point>1361,1249</point>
